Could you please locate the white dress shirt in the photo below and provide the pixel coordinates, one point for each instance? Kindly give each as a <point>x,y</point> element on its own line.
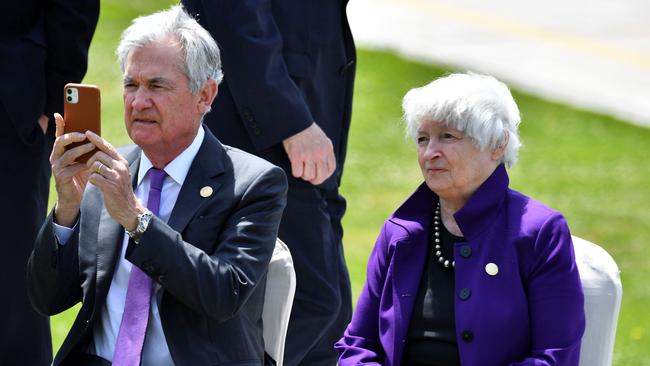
<point>155,351</point>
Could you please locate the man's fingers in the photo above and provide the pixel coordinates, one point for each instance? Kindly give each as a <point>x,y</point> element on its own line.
<point>103,145</point>
<point>64,140</point>
<point>320,172</point>
<point>67,174</point>
<point>328,168</point>
<point>98,180</point>
<point>43,121</point>
<point>324,170</point>
<point>68,157</point>
<point>60,125</point>
<point>296,167</point>
<point>101,157</point>
<point>309,170</point>
<point>331,164</point>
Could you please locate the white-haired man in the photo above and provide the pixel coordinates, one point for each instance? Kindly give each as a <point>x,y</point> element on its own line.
<point>167,247</point>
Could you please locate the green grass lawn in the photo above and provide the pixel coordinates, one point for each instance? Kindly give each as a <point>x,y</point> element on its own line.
<point>593,168</point>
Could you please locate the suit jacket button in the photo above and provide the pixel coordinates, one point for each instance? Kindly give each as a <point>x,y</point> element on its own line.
<point>467,335</point>
<point>248,116</point>
<point>465,251</point>
<point>464,294</point>
<point>161,278</point>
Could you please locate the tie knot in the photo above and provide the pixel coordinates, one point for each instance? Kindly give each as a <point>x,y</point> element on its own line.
<point>157,176</point>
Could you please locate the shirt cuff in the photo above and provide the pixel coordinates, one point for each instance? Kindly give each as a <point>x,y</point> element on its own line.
<point>63,233</point>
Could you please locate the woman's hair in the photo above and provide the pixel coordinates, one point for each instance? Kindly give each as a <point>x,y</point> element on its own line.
<point>201,58</point>
<point>478,105</point>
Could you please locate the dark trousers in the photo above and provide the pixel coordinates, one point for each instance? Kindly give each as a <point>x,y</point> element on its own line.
<point>322,307</point>
<point>24,186</point>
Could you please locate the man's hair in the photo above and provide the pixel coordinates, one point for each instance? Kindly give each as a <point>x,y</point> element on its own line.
<point>201,58</point>
<point>478,105</point>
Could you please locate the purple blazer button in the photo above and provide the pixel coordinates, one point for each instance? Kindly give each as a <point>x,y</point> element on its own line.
<point>465,251</point>
<point>467,335</point>
<point>464,294</point>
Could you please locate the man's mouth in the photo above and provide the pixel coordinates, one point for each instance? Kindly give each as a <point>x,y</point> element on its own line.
<point>144,120</point>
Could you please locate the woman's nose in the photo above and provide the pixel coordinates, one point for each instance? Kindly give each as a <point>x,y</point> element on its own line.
<point>432,150</point>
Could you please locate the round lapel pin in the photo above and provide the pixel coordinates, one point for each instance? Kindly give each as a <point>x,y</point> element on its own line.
<point>491,269</point>
<point>206,192</point>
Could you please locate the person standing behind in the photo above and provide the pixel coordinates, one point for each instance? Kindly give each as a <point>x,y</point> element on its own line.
<point>43,46</point>
<point>287,94</point>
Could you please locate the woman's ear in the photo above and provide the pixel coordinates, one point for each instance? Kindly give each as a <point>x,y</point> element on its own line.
<point>500,150</point>
<point>206,95</point>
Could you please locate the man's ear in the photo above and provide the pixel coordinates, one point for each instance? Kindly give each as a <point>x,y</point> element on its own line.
<point>498,152</point>
<point>207,93</point>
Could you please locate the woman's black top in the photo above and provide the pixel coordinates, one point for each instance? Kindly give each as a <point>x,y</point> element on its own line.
<point>431,337</point>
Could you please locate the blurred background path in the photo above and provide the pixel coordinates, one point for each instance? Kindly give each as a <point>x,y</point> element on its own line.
<point>593,54</point>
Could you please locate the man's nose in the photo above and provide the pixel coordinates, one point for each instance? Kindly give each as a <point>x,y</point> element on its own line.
<point>140,99</point>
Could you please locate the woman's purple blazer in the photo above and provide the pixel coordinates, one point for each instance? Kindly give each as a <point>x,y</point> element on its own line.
<point>529,313</point>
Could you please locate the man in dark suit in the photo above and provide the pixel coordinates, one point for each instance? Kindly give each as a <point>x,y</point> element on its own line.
<point>168,247</point>
<point>286,96</point>
<point>43,45</point>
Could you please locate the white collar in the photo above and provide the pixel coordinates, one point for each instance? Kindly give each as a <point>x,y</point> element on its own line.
<point>178,168</point>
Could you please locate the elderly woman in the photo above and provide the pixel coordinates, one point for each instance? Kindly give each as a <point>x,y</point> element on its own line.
<point>467,271</point>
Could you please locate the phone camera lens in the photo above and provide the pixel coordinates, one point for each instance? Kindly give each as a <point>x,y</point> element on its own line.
<point>69,99</point>
<point>69,91</point>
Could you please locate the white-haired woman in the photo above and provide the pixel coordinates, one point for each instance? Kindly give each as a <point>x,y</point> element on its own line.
<point>467,271</point>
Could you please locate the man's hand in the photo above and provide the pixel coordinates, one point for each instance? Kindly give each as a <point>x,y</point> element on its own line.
<point>311,154</point>
<point>110,173</point>
<point>42,121</point>
<point>70,177</point>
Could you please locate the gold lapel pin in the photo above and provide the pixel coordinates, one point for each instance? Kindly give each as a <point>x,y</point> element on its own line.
<point>491,269</point>
<point>206,192</point>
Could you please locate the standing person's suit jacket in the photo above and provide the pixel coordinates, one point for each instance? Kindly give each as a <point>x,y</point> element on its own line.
<point>211,259</point>
<point>286,64</point>
<point>43,46</point>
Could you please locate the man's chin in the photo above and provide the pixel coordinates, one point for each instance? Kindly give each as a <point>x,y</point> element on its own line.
<point>142,138</point>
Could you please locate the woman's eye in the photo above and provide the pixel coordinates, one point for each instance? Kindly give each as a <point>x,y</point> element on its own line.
<point>422,140</point>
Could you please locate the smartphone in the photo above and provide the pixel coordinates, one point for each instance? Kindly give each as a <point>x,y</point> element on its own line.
<point>82,112</point>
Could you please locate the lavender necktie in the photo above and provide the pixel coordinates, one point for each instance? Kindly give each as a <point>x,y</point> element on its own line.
<point>130,339</point>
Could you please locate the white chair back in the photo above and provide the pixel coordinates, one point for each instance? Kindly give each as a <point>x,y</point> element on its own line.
<point>278,300</point>
<point>601,284</point>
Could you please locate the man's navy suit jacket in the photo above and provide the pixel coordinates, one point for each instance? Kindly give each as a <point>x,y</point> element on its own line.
<point>286,64</point>
<point>211,259</point>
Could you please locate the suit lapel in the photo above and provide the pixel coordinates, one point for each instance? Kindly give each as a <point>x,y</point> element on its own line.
<point>205,171</point>
<point>110,235</point>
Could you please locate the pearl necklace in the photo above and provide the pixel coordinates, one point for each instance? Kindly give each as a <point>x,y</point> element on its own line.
<point>436,238</point>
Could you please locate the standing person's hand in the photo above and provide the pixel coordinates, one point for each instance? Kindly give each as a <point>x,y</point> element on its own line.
<point>110,173</point>
<point>43,121</point>
<point>311,154</point>
<point>70,177</point>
